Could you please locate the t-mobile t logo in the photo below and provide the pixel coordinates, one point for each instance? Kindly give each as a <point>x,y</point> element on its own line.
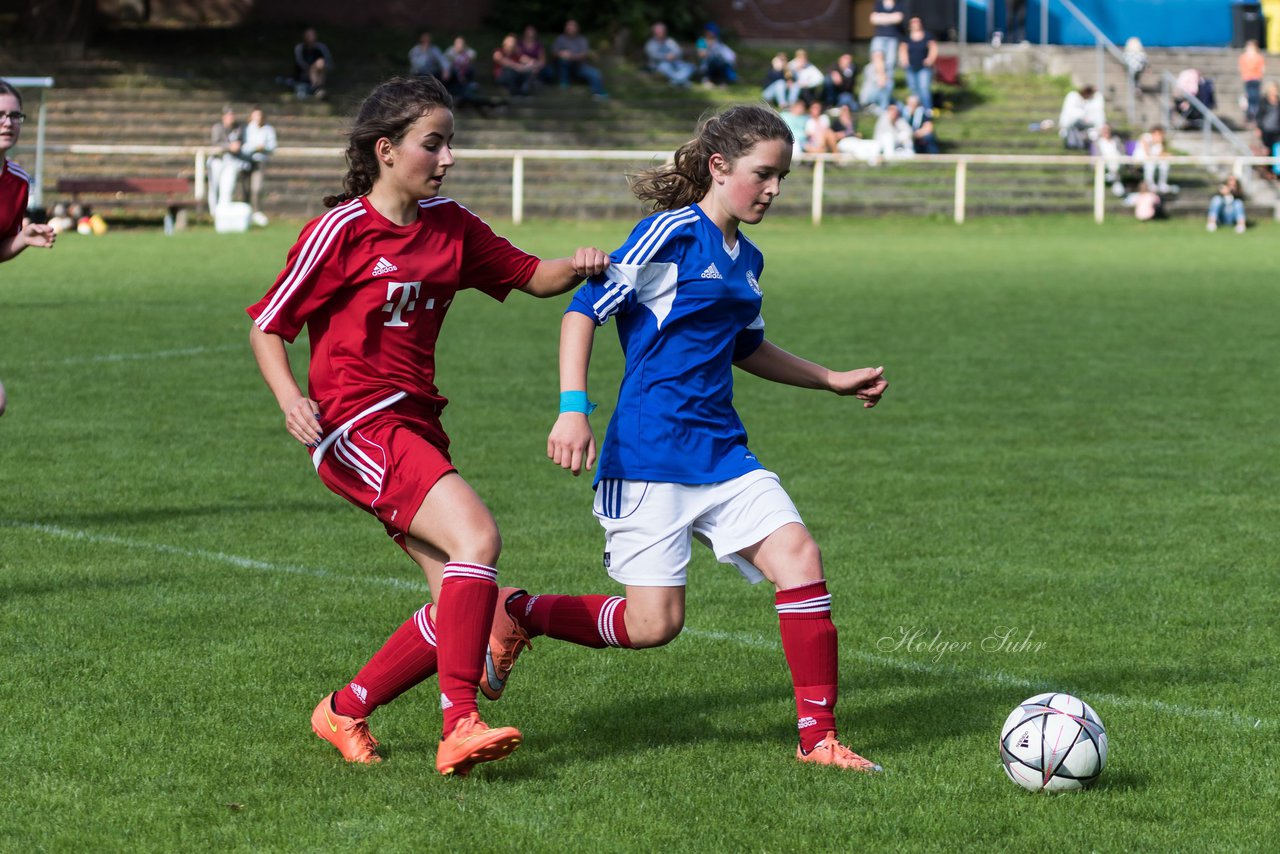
<point>401,297</point>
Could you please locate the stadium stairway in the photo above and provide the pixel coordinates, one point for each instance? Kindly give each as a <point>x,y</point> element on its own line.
<point>124,98</point>
<point>1080,66</point>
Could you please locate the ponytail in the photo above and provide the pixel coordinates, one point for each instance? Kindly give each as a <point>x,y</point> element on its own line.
<point>687,178</point>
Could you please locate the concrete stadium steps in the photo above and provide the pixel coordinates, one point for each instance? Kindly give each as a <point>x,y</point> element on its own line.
<point>153,103</point>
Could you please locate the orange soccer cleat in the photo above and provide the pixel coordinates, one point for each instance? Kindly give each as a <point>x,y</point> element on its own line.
<point>830,751</point>
<point>506,641</point>
<point>350,735</point>
<point>473,741</point>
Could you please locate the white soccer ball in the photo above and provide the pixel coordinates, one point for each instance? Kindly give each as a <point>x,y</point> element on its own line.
<point>1053,743</point>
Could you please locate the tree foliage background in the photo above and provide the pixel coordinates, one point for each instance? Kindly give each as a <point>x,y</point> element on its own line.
<point>684,18</point>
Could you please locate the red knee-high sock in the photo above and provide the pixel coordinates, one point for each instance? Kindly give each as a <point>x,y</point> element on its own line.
<point>809,641</point>
<point>407,658</point>
<point>594,621</point>
<point>463,616</point>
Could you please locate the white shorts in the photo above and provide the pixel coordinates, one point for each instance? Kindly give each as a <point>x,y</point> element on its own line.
<point>649,527</point>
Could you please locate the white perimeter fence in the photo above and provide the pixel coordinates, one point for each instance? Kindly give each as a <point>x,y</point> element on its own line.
<point>819,163</point>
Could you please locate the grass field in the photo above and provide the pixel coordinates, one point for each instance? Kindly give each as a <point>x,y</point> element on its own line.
<point>1078,450</point>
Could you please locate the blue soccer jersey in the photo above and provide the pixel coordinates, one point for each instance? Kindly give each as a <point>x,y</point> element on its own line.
<point>686,308</point>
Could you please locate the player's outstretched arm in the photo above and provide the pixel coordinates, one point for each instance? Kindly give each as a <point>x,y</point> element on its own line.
<point>301,413</point>
<point>572,445</point>
<point>41,236</point>
<point>557,275</point>
<point>771,362</point>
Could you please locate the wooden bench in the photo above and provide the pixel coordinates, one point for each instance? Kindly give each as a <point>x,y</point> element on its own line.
<point>172,194</point>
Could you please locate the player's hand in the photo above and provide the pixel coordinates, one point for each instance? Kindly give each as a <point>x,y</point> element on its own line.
<point>39,235</point>
<point>589,261</point>
<point>302,418</point>
<point>866,384</point>
<point>572,445</point>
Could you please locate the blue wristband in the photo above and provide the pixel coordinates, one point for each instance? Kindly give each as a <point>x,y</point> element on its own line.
<point>576,401</point>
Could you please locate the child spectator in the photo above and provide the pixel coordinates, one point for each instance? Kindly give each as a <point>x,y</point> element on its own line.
<point>1135,61</point>
<point>796,118</point>
<point>1110,150</point>
<point>1227,207</point>
<point>1155,160</point>
<point>1146,203</point>
<point>819,137</point>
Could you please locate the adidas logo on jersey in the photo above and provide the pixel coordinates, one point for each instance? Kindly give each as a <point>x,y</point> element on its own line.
<point>360,691</point>
<point>711,273</point>
<point>383,267</point>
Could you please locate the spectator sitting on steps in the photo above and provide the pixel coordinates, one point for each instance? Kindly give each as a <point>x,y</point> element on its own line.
<point>570,52</point>
<point>1227,207</point>
<point>717,62</point>
<point>665,57</point>
<point>259,143</point>
<point>312,63</point>
<point>426,60</point>
<point>1083,112</point>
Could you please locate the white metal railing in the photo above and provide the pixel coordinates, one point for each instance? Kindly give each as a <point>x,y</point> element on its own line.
<point>1239,165</point>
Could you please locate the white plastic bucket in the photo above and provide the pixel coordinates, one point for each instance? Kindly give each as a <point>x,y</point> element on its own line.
<point>231,217</point>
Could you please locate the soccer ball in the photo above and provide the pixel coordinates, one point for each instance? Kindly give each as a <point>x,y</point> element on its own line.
<point>1054,743</point>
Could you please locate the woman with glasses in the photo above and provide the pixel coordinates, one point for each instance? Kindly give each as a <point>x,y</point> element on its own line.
<point>15,183</point>
<point>15,187</point>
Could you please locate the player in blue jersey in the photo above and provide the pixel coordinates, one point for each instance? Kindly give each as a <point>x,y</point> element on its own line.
<point>685,293</point>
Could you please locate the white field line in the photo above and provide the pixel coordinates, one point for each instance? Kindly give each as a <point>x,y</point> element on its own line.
<point>136,357</point>
<point>736,638</point>
<point>215,557</point>
<point>1004,679</point>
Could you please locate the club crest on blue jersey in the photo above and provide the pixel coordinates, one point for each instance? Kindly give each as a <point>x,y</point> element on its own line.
<point>755,286</point>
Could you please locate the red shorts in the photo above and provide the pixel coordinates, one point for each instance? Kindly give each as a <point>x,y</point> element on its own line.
<point>386,464</point>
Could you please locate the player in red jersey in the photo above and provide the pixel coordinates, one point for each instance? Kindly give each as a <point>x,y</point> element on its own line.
<point>15,187</point>
<point>15,183</point>
<point>372,280</point>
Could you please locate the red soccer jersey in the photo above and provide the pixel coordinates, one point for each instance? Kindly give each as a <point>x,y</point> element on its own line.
<point>15,184</point>
<point>373,296</point>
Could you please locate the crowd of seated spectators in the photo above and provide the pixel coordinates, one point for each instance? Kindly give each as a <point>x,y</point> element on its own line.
<point>822,108</point>
<point>519,64</point>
